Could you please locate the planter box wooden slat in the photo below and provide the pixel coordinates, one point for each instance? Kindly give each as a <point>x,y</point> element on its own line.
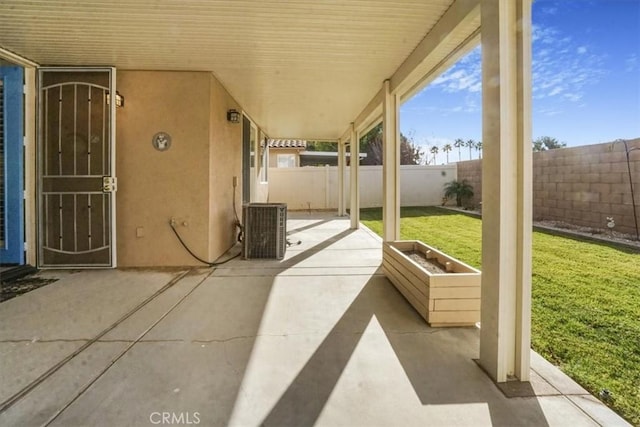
<point>446,299</point>
<point>411,279</point>
<point>412,295</point>
<point>455,292</point>
<point>456,304</point>
<point>453,318</point>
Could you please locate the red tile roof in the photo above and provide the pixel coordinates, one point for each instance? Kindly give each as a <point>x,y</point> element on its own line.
<point>287,143</point>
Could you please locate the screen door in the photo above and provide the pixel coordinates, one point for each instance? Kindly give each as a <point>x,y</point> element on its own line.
<point>76,179</point>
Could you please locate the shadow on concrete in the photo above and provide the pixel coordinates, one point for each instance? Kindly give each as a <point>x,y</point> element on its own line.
<point>217,331</point>
<point>252,315</point>
<point>435,361</point>
<point>291,230</point>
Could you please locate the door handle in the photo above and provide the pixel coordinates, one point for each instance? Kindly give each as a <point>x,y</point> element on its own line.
<point>109,184</point>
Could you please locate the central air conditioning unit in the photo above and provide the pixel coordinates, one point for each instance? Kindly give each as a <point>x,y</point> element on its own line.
<point>265,230</point>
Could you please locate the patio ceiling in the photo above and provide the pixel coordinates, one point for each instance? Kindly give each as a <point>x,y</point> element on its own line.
<point>300,69</point>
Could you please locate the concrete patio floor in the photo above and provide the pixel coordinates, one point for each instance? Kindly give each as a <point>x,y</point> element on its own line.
<point>320,338</point>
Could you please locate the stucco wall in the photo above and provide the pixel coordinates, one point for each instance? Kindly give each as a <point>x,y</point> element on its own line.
<point>580,185</point>
<point>192,181</point>
<point>224,162</point>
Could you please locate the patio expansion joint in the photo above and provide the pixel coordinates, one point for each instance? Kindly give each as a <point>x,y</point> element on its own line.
<point>242,337</point>
<point>427,332</point>
<point>176,340</point>
<point>130,345</point>
<point>87,343</point>
<point>37,340</point>
<point>272,276</point>
<point>585,411</point>
<point>557,388</point>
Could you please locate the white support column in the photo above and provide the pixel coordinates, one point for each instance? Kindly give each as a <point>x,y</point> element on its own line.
<point>506,189</point>
<point>30,109</point>
<point>354,207</point>
<point>341,167</point>
<point>390,165</point>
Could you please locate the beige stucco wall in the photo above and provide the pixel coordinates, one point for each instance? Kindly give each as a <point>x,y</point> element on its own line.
<point>225,162</point>
<point>192,181</point>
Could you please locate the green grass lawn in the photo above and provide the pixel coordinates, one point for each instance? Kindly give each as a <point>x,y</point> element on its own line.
<point>586,299</point>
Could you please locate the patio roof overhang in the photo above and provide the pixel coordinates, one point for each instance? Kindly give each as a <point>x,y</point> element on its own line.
<point>300,69</point>
<point>317,69</point>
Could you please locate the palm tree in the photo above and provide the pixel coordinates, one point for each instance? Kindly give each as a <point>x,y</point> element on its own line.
<point>471,144</point>
<point>458,143</point>
<point>479,148</point>
<point>434,150</point>
<point>447,148</point>
<point>461,190</point>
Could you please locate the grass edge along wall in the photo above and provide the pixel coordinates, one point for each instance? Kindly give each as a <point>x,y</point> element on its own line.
<point>585,310</point>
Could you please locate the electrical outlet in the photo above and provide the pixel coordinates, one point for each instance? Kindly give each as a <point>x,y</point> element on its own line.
<point>173,221</point>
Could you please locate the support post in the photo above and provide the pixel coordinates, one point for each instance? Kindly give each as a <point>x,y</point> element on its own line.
<point>390,165</point>
<point>30,163</point>
<point>505,336</point>
<point>341,167</point>
<point>354,165</point>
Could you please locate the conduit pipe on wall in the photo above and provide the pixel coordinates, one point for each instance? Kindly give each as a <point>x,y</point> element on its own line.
<point>633,198</point>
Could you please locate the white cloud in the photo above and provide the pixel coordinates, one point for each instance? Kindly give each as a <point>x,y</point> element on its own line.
<point>465,75</point>
<point>631,63</point>
<point>439,141</point>
<point>470,104</point>
<point>562,70</point>
<point>556,90</point>
<point>549,111</point>
<point>573,97</point>
<point>547,35</point>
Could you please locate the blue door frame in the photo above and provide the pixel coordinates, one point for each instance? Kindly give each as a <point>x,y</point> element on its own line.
<point>12,251</point>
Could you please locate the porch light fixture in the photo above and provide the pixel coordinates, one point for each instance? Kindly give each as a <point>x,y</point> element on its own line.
<point>233,116</point>
<point>119,100</point>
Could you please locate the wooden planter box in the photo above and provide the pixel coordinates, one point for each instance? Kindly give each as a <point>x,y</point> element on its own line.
<point>449,298</point>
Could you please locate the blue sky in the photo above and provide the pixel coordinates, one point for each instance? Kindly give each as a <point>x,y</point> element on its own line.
<point>586,80</point>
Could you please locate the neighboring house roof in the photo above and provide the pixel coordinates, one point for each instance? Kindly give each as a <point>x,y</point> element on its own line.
<point>327,154</point>
<point>287,143</point>
<point>322,158</point>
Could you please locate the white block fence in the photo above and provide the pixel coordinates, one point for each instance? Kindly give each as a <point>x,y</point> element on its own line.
<point>317,187</point>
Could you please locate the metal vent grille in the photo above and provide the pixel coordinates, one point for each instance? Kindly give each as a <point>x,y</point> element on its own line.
<point>265,230</point>
<point>2,160</point>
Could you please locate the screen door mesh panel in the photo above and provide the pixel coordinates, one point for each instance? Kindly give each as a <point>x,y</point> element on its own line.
<point>265,230</point>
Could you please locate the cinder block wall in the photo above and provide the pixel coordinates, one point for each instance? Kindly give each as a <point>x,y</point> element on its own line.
<point>471,170</point>
<point>579,185</point>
